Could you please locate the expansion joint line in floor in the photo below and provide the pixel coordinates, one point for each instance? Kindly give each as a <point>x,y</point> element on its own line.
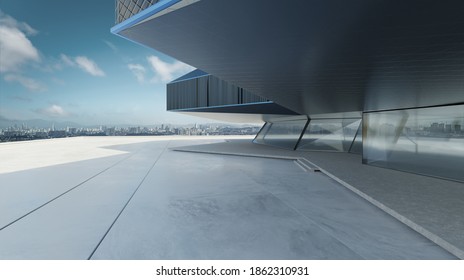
<point>66,192</point>
<point>128,201</point>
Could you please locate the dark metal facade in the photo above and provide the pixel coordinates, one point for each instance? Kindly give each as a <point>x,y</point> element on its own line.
<point>207,91</point>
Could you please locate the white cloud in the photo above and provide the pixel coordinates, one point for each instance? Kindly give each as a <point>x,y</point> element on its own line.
<point>89,66</point>
<point>67,60</point>
<point>6,20</point>
<point>28,83</point>
<point>53,111</point>
<point>164,71</point>
<point>85,64</point>
<point>15,48</point>
<point>138,70</point>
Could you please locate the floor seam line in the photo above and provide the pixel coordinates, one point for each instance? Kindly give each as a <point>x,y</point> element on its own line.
<point>64,193</point>
<point>127,203</point>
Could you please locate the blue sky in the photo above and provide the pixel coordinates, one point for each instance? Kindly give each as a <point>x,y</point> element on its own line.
<point>59,61</point>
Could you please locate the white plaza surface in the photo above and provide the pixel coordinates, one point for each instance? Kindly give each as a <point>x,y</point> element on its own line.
<point>136,198</point>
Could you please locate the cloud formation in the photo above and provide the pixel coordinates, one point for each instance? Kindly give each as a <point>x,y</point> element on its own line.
<point>85,64</point>
<point>162,71</point>
<point>28,83</point>
<point>53,111</point>
<point>138,71</point>
<point>89,66</point>
<point>67,60</point>
<point>15,48</point>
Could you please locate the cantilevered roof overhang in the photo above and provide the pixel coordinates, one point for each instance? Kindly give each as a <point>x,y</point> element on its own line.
<point>201,94</point>
<point>241,113</point>
<point>317,56</point>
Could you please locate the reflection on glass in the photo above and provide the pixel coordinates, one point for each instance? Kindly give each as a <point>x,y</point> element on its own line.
<point>330,134</point>
<point>260,136</point>
<point>284,134</point>
<point>356,147</point>
<point>427,141</point>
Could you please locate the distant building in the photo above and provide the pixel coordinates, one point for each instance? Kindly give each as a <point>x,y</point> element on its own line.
<point>448,128</point>
<point>57,134</point>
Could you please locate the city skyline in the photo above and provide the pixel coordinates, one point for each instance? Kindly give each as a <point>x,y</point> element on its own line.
<point>77,71</point>
<point>25,133</point>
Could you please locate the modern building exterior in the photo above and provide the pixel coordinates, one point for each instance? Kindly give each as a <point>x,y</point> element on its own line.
<point>382,78</point>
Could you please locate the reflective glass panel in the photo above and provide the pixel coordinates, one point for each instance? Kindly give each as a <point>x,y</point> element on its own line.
<point>330,134</point>
<point>284,134</point>
<point>428,141</point>
<point>260,136</point>
<point>356,147</point>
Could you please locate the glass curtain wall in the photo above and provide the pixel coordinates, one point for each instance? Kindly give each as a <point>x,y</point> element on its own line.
<point>342,135</point>
<point>330,135</point>
<point>357,146</point>
<point>284,134</point>
<point>427,141</point>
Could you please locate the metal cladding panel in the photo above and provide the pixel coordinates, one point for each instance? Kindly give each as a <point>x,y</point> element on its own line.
<point>262,108</point>
<point>205,91</point>
<point>182,95</point>
<point>319,57</point>
<point>213,98</point>
<point>202,83</point>
<point>171,97</point>
<point>248,97</point>
<point>222,93</point>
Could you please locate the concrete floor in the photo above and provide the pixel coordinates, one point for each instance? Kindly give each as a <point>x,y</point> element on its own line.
<point>431,206</point>
<point>143,200</point>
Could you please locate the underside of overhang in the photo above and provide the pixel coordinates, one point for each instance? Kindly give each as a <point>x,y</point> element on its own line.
<point>265,108</point>
<point>255,118</point>
<point>321,57</point>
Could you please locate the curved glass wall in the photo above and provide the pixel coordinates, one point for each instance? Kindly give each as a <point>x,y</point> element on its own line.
<point>428,141</point>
